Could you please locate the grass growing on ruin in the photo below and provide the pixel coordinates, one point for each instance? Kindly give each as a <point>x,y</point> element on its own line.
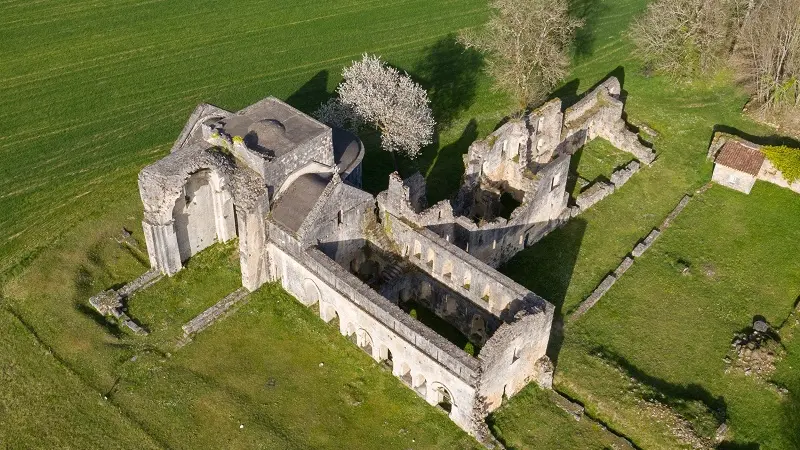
<point>594,162</point>
<point>164,307</point>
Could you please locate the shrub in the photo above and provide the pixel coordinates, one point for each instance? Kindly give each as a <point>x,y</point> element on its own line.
<point>238,139</point>
<point>785,159</point>
<point>469,348</point>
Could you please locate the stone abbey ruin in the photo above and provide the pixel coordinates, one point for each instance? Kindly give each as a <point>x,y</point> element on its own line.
<point>288,187</point>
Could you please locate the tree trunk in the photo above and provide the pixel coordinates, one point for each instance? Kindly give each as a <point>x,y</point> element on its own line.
<point>394,161</point>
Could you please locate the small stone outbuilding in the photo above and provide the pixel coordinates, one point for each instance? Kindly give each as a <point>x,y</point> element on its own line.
<point>737,165</point>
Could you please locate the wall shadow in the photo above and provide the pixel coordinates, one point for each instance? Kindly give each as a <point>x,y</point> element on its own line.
<point>311,94</point>
<point>546,268</point>
<point>671,394</point>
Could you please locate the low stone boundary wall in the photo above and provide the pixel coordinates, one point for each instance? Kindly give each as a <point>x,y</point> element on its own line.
<point>111,302</point>
<point>626,263</point>
<point>603,189</point>
<point>212,314</point>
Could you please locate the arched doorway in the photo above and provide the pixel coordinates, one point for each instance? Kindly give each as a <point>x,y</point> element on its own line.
<point>442,397</point>
<point>203,214</point>
<point>311,294</point>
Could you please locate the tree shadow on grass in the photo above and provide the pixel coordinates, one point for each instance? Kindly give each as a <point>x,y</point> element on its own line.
<point>546,268</point>
<point>447,166</point>
<point>589,11</point>
<point>311,94</point>
<point>773,139</point>
<point>450,74</point>
<point>679,397</point>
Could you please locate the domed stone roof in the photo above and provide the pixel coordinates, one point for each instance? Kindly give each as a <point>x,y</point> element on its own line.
<point>268,129</point>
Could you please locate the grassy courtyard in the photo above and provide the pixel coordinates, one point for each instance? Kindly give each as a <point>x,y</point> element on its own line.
<point>91,95</point>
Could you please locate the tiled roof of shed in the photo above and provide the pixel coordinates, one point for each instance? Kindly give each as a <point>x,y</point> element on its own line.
<point>740,157</point>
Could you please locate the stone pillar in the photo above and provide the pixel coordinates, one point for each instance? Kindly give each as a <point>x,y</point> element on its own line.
<point>162,247</point>
<point>252,247</point>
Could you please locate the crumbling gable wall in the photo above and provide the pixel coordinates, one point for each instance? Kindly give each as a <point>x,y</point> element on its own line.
<point>600,114</point>
<point>163,189</point>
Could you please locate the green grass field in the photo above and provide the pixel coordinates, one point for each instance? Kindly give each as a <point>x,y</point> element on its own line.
<point>93,91</point>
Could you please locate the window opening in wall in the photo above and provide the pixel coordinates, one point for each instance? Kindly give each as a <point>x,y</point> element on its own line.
<point>444,400</point>
<point>447,269</point>
<point>387,359</point>
<point>417,250</point>
<point>486,294</point>
<point>339,217</point>
<point>494,244</point>
<point>516,356</point>
<point>405,374</point>
<point>503,151</point>
<point>556,181</point>
<point>421,385</point>
<point>467,280</point>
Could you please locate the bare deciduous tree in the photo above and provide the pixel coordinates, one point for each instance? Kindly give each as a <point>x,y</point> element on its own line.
<point>392,102</point>
<point>768,50</point>
<point>686,37</point>
<point>526,44</point>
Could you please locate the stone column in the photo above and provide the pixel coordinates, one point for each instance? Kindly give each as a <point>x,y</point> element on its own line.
<point>252,246</point>
<point>162,247</point>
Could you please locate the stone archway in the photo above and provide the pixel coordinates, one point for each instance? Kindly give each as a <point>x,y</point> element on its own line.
<point>311,294</point>
<point>442,397</point>
<point>203,213</point>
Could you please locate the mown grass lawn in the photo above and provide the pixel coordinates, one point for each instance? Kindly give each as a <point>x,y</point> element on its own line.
<point>93,91</point>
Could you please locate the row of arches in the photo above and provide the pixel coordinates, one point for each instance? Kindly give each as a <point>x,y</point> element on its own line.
<point>435,392</point>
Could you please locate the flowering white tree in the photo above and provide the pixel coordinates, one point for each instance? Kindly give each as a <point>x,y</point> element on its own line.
<point>337,114</point>
<point>390,101</point>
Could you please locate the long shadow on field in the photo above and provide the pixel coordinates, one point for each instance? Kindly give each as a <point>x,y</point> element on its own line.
<point>687,400</point>
<point>760,140</point>
<point>546,268</point>
<point>312,94</point>
<point>568,92</point>
<point>445,171</point>
<point>588,11</point>
<point>450,73</point>
<point>791,413</point>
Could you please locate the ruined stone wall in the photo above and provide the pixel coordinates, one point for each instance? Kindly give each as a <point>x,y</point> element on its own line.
<point>513,356</point>
<point>424,360</point>
<point>319,149</point>
<point>337,221</point>
<point>458,270</point>
<point>474,322</point>
<point>162,187</point>
<point>600,114</point>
